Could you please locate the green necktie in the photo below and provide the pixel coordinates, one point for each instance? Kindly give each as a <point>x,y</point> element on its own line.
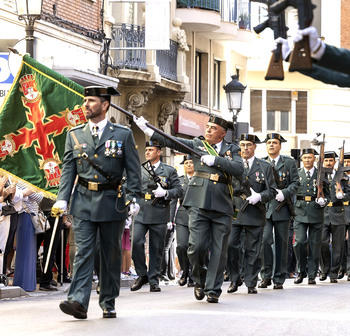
<point>246,167</point>
<point>308,174</point>
<point>95,134</point>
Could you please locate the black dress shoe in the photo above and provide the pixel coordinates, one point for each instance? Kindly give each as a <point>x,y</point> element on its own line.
<point>212,298</point>
<point>183,279</point>
<point>226,276</point>
<point>299,279</point>
<point>53,283</point>
<point>323,276</point>
<point>139,282</point>
<point>265,283</point>
<point>73,308</point>
<point>348,278</point>
<point>252,290</point>
<point>233,287</point>
<point>277,286</point>
<point>47,288</point>
<point>341,274</point>
<point>109,313</point>
<point>334,280</point>
<point>190,283</point>
<point>198,292</point>
<point>311,281</point>
<point>154,288</point>
<point>67,279</point>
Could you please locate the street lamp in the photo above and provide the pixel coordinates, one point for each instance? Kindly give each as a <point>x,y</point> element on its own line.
<point>29,11</point>
<point>234,93</point>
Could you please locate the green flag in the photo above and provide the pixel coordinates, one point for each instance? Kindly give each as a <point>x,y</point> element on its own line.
<point>35,116</point>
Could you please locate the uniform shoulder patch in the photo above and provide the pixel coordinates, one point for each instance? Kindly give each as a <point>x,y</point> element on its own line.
<point>77,127</point>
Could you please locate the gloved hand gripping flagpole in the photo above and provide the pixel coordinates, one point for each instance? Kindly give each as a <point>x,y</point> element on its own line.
<point>55,212</point>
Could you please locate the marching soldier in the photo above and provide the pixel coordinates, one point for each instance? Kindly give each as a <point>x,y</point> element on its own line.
<point>308,222</point>
<point>334,222</point>
<point>153,216</point>
<point>99,152</point>
<point>181,221</point>
<point>278,219</point>
<point>253,219</point>
<point>209,201</point>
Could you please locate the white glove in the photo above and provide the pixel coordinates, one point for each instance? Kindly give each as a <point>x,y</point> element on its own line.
<point>159,192</point>
<point>169,225</point>
<point>208,159</point>
<point>321,201</point>
<point>279,197</point>
<point>254,197</point>
<point>339,195</point>
<point>134,209</point>
<point>317,47</point>
<point>128,222</point>
<point>61,205</point>
<point>141,123</point>
<point>286,50</point>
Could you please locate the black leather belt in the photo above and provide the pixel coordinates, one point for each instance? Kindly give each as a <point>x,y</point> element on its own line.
<point>97,186</point>
<point>336,203</point>
<point>211,177</point>
<point>306,198</point>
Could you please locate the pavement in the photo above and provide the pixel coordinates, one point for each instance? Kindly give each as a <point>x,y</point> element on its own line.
<point>322,309</point>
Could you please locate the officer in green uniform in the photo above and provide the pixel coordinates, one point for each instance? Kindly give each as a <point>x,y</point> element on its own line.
<point>181,218</point>
<point>334,222</point>
<point>98,152</point>
<point>308,222</point>
<point>153,216</point>
<point>208,199</point>
<point>276,231</point>
<point>253,219</point>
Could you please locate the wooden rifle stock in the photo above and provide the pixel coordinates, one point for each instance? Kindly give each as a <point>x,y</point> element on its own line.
<point>275,69</point>
<point>300,58</point>
<point>167,136</point>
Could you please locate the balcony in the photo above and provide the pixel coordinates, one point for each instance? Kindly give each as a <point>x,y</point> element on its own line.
<point>167,61</point>
<point>203,4</point>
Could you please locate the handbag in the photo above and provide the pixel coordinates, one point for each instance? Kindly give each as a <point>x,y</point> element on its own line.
<point>8,209</point>
<point>40,222</point>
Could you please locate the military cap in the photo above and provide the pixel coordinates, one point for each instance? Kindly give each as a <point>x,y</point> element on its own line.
<point>250,137</point>
<point>347,155</point>
<point>308,151</point>
<point>220,121</point>
<point>100,91</point>
<point>186,158</point>
<point>153,144</point>
<point>277,136</point>
<point>330,154</point>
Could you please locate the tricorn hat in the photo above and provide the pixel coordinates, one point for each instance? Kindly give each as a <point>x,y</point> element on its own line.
<point>100,91</point>
<point>308,151</point>
<point>277,136</point>
<point>220,121</point>
<point>347,155</point>
<point>153,144</point>
<point>186,158</point>
<point>249,137</point>
<point>330,154</point>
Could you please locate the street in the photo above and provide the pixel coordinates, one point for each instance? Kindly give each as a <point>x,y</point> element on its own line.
<point>296,310</point>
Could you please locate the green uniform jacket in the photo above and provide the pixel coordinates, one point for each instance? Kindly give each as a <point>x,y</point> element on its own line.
<point>261,179</point>
<point>336,214</point>
<point>99,206</point>
<point>204,193</point>
<point>287,173</point>
<point>308,212</point>
<point>181,216</point>
<point>158,213</point>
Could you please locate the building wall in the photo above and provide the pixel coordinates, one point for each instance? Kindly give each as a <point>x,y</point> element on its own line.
<point>345,24</point>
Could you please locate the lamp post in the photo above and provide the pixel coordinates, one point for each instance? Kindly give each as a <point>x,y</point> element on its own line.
<point>29,11</point>
<point>234,93</point>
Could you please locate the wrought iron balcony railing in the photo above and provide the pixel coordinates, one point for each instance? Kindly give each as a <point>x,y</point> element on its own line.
<point>204,4</point>
<point>167,61</point>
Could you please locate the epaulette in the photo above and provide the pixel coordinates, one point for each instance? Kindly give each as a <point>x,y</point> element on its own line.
<point>77,127</point>
<point>201,137</point>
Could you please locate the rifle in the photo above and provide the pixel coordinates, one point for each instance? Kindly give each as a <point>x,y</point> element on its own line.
<point>321,171</point>
<point>149,167</point>
<point>277,23</point>
<point>287,200</point>
<point>341,170</point>
<point>300,58</point>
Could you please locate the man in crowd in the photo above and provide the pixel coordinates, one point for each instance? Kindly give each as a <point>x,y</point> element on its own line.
<point>99,152</point>
<point>334,221</point>
<point>208,199</point>
<point>279,214</point>
<point>258,177</point>
<point>308,222</point>
<point>153,216</point>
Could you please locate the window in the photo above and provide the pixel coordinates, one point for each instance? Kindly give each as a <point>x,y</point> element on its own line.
<point>216,85</point>
<point>198,67</point>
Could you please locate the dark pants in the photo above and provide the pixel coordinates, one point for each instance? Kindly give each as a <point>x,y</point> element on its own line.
<point>10,239</point>
<point>182,236</point>
<point>209,230</point>
<point>275,233</point>
<point>331,257</point>
<point>307,246</point>
<point>85,233</point>
<point>292,261</point>
<point>157,234</point>
<point>251,256</point>
<point>168,266</point>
